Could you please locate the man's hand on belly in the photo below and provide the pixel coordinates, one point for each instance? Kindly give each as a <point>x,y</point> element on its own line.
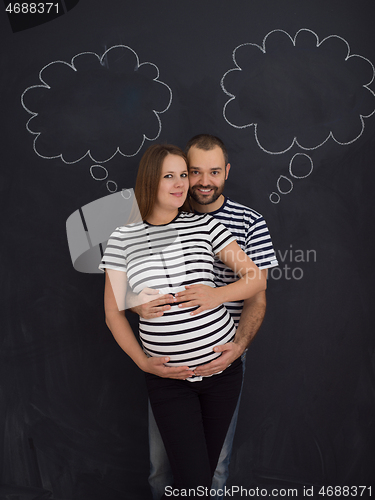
<point>230,352</point>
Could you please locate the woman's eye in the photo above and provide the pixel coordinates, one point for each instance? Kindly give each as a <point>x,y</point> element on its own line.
<point>184,175</point>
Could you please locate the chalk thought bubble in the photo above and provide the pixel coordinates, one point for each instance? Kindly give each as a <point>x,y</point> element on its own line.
<point>96,106</point>
<point>299,91</point>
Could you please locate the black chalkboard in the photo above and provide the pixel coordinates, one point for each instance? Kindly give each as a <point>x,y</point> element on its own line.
<point>289,87</point>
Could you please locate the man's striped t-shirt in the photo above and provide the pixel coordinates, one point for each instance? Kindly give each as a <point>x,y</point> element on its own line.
<point>252,235</point>
<point>168,258</point>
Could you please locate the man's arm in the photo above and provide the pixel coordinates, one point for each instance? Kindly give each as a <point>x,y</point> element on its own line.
<point>251,319</point>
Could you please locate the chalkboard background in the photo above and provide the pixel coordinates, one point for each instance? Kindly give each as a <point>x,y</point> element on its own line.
<point>301,139</point>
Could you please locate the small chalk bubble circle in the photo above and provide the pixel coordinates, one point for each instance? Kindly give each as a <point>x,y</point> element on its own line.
<point>274,197</point>
<point>126,194</point>
<point>300,165</point>
<point>111,186</point>
<point>287,182</point>
<point>98,172</point>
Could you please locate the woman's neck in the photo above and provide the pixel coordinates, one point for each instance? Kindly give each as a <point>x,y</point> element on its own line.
<point>160,217</point>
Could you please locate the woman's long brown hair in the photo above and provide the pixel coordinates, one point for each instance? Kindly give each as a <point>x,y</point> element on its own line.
<point>149,173</point>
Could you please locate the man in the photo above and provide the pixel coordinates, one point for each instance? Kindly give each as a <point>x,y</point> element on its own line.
<point>208,171</point>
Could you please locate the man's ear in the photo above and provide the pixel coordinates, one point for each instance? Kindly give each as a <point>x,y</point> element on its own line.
<point>227,168</point>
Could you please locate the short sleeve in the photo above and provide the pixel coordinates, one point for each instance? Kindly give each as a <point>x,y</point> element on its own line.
<point>259,245</point>
<point>115,253</point>
<point>219,234</point>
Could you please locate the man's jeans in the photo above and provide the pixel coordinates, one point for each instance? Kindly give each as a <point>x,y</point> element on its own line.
<point>160,471</point>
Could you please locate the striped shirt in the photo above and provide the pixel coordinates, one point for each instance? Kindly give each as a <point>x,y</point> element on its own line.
<point>168,258</point>
<point>252,235</point>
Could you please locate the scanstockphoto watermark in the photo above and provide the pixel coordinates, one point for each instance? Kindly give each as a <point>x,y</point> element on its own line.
<point>229,492</point>
<point>301,492</point>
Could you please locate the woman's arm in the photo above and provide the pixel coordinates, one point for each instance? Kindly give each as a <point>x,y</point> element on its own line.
<point>114,292</point>
<point>114,295</point>
<point>251,281</point>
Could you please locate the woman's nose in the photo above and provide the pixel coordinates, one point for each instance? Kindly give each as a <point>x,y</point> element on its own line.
<point>179,182</point>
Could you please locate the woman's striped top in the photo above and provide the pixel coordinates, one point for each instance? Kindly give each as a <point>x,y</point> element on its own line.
<point>167,258</point>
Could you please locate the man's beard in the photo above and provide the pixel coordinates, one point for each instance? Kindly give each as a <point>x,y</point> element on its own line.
<point>205,200</point>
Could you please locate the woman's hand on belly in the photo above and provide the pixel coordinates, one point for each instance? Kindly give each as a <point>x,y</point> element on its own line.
<point>150,304</point>
<point>204,296</point>
<point>157,367</point>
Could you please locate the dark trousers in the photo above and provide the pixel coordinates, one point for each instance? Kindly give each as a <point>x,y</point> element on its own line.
<point>193,419</point>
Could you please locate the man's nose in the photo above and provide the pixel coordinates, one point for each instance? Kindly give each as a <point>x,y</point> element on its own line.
<point>205,180</point>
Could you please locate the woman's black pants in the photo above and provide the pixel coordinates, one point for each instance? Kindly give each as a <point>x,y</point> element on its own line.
<point>193,419</point>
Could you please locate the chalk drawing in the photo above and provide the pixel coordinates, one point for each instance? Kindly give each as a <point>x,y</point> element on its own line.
<point>96,107</point>
<point>296,157</point>
<point>299,161</point>
<point>111,186</point>
<point>91,78</point>
<point>126,194</point>
<point>98,172</point>
<point>274,197</point>
<point>295,73</point>
<point>282,178</point>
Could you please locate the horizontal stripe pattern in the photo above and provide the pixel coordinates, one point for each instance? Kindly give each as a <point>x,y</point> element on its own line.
<point>252,235</point>
<point>168,258</point>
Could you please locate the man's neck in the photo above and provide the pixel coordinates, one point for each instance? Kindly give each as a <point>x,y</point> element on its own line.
<point>205,209</point>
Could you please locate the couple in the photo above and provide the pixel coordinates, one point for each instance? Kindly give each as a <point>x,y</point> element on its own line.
<point>193,336</point>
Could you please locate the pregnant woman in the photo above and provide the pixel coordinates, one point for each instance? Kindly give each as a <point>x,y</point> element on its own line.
<point>173,251</point>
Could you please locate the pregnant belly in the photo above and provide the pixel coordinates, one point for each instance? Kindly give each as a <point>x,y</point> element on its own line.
<point>187,340</point>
